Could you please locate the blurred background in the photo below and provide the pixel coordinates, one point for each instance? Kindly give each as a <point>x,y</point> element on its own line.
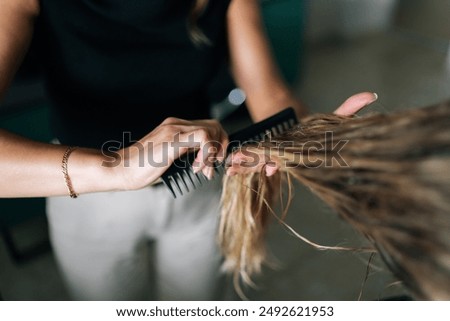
<point>327,50</point>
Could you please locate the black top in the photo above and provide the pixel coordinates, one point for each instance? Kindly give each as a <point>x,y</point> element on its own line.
<point>115,66</point>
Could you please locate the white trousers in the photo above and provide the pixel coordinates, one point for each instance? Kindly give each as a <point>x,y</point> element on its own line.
<point>101,243</point>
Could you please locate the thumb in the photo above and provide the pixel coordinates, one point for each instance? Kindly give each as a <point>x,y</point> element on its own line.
<point>355,103</point>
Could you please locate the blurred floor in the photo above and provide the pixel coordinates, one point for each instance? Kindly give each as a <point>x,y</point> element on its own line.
<point>405,72</point>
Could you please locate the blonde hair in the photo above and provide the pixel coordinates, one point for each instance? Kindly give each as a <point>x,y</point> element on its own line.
<point>195,33</point>
<point>390,180</point>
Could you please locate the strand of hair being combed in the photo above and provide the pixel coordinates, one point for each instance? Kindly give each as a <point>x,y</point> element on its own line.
<point>244,259</point>
<point>390,180</point>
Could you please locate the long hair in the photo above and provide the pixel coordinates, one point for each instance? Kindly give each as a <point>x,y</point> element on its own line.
<point>388,175</point>
<point>195,33</point>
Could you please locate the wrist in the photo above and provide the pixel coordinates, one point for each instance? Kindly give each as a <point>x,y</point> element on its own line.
<point>128,170</point>
<point>92,171</point>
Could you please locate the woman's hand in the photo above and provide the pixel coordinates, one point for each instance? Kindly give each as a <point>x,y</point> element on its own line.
<point>33,169</point>
<point>145,161</point>
<point>236,162</point>
<point>355,103</point>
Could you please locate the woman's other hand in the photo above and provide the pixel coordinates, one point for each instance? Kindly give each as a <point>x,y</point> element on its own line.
<point>355,103</point>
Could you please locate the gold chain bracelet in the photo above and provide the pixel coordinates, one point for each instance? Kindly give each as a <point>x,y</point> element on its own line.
<point>65,160</point>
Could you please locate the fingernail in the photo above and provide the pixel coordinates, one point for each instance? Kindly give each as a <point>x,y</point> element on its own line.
<point>229,159</point>
<point>196,169</point>
<point>207,172</point>
<point>375,95</point>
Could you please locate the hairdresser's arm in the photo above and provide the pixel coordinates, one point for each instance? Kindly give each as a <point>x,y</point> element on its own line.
<point>252,63</point>
<point>29,168</point>
<point>255,71</point>
<point>26,168</point>
<point>16,28</point>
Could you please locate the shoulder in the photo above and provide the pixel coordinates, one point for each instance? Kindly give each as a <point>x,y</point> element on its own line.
<point>28,8</point>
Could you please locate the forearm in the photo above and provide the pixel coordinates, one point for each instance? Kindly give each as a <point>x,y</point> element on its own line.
<point>253,65</point>
<point>32,169</point>
<point>261,105</point>
<point>17,19</point>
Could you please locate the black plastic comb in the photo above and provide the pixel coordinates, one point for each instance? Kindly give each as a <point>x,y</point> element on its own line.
<point>180,177</point>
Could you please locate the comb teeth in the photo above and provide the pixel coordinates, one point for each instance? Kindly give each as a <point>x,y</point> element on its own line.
<point>181,179</point>
<point>185,180</point>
